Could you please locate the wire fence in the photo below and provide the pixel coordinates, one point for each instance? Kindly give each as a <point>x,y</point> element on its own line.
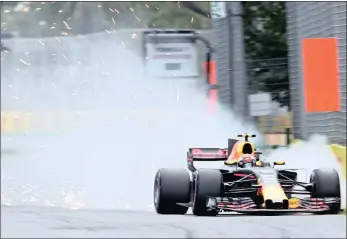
<point>304,20</point>
<point>317,20</point>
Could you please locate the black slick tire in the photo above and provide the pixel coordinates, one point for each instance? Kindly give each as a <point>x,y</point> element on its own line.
<point>326,183</point>
<point>207,182</point>
<point>171,186</point>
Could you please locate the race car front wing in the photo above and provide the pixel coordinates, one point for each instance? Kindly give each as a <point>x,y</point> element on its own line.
<point>247,205</point>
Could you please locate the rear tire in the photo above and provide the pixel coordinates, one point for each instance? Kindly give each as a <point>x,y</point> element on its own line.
<point>207,182</point>
<point>326,183</point>
<point>171,186</point>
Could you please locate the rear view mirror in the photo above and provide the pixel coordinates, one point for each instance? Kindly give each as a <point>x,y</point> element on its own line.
<point>279,163</point>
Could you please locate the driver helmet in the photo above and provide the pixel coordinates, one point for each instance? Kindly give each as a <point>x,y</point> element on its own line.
<point>247,161</point>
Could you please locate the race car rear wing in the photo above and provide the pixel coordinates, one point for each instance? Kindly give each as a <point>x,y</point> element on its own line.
<point>205,154</point>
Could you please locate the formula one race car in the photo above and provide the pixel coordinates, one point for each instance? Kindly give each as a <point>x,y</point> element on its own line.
<point>244,184</point>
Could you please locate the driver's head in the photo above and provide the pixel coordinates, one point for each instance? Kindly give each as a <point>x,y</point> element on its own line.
<point>247,161</point>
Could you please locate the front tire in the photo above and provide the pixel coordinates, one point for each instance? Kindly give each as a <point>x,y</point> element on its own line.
<point>326,183</point>
<point>171,186</point>
<point>207,182</point>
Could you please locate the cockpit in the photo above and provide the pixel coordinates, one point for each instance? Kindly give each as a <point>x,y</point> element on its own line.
<point>247,161</point>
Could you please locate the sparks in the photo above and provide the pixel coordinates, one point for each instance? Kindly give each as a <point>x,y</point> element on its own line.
<point>136,17</point>
<point>24,62</point>
<point>178,95</point>
<point>67,26</point>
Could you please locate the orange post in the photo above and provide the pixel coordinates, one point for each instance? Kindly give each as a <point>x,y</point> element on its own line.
<point>321,75</point>
<point>212,94</point>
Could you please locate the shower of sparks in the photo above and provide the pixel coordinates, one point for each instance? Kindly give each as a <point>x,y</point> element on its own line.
<point>111,9</point>
<point>116,11</point>
<point>131,9</point>
<point>192,20</point>
<point>99,6</point>
<point>60,11</point>
<point>146,5</point>
<point>114,22</point>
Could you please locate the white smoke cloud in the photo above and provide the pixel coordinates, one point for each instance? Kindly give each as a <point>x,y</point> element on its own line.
<point>109,156</point>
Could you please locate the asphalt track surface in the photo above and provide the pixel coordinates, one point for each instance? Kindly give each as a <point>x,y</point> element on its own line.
<point>47,222</point>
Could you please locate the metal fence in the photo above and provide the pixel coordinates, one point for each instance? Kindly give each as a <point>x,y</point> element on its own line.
<point>304,19</point>
<point>316,19</point>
